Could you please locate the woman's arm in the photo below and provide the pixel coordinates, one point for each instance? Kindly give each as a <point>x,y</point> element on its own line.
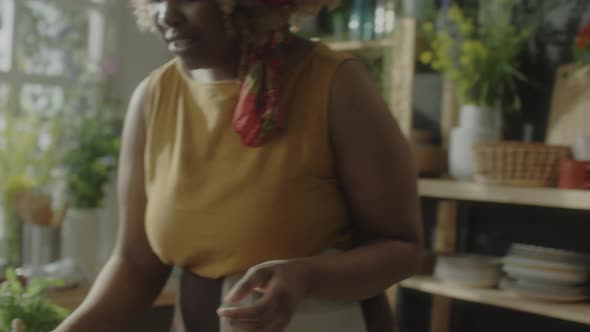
<point>134,276</point>
<point>378,178</point>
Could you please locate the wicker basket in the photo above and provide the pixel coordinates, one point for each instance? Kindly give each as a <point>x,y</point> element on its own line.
<point>517,163</point>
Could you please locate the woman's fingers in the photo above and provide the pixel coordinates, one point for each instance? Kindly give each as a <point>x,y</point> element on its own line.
<point>273,311</point>
<point>242,326</point>
<point>277,324</point>
<point>253,280</point>
<point>247,314</point>
<point>261,310</point>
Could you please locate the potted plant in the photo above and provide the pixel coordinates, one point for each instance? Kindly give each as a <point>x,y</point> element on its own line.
<point>28,158</point>
<point>94,124</point>
<point>478,53</point>
<point>28,304</point>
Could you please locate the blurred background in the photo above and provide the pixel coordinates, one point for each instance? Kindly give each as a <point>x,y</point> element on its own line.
<point>493,95</point>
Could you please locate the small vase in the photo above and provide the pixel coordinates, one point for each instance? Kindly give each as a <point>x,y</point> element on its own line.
<point>476,125</point>
<point>80,240</point>
<point>42,247</point>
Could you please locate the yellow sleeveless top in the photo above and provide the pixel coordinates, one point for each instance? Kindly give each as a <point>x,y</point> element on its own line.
<point>217,207</point>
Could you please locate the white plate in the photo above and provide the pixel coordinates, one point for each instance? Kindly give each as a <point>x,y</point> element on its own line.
<point>452,273</point>
<point>509,285</point>
<point>546,276</point>
<point>470,261</point>
<point>549,254</point>
<point>462,267</point>
<point>551,288</point>
<point>466,278</point>
<point>546,265</point>
<point>443,268</point>
<point>447,275</point>
<point>473,270</point>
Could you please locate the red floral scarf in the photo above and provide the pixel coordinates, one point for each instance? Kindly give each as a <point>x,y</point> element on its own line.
<point>258,114</point>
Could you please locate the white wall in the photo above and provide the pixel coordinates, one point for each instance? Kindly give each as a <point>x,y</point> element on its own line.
<point>139,52</point>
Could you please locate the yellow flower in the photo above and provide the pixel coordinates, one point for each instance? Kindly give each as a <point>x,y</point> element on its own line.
<point>467,28</point>
<point>426,57</point>
<point>456,14</point>
<point>480,50</point>
<point>468,46</point>
<point>436,65</point>
<point>428,27</point>
<point>465,60</point>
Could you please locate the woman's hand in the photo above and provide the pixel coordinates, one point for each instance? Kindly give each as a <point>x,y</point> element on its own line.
<point>282,285</point>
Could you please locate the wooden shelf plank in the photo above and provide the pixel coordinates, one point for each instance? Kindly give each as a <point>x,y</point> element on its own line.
<point>468,191</point>
<point>579,313</point>
<point>72,298</point>
<point>354,45</point>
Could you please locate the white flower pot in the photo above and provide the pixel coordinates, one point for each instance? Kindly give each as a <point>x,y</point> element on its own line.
<point>476,125</point>
<point>477,117</point>
<point>80,240</point>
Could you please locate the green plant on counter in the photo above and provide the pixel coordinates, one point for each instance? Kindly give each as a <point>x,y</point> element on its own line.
<point>479,51</point>
<point>94,126</point>
<point>29,304</point>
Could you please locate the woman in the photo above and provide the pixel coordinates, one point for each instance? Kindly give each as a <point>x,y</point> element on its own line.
<point>268,168</point>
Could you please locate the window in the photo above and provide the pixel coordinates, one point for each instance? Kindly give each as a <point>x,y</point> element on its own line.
<point>6,24</point>
<point>44,46</point>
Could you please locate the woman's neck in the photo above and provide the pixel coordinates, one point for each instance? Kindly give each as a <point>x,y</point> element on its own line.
<point>294,50</point>
<point>212,75</point>
<point>224,70</point>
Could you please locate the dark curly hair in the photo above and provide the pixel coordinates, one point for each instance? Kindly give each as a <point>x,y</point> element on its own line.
<point>241,12</point>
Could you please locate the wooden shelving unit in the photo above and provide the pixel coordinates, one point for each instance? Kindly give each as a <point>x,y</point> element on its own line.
<point>579,313</point>
<point>468,191</point>
<point>402,72</point>
<point>72,298</point>
<point>450,194</point>
<point>348,46</point>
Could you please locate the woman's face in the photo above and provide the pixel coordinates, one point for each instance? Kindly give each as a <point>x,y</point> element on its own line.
<point>194,30</point>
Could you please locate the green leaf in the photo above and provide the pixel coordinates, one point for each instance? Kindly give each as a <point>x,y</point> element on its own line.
<point>478,51</point>
<point>30,304</point>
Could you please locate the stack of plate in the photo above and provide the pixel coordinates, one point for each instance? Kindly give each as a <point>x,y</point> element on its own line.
<point>547,274</point>
<point>468,270</point>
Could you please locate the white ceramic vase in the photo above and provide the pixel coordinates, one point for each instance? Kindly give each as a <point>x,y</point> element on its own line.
<point>80,240</point>
<point>476,125</point>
